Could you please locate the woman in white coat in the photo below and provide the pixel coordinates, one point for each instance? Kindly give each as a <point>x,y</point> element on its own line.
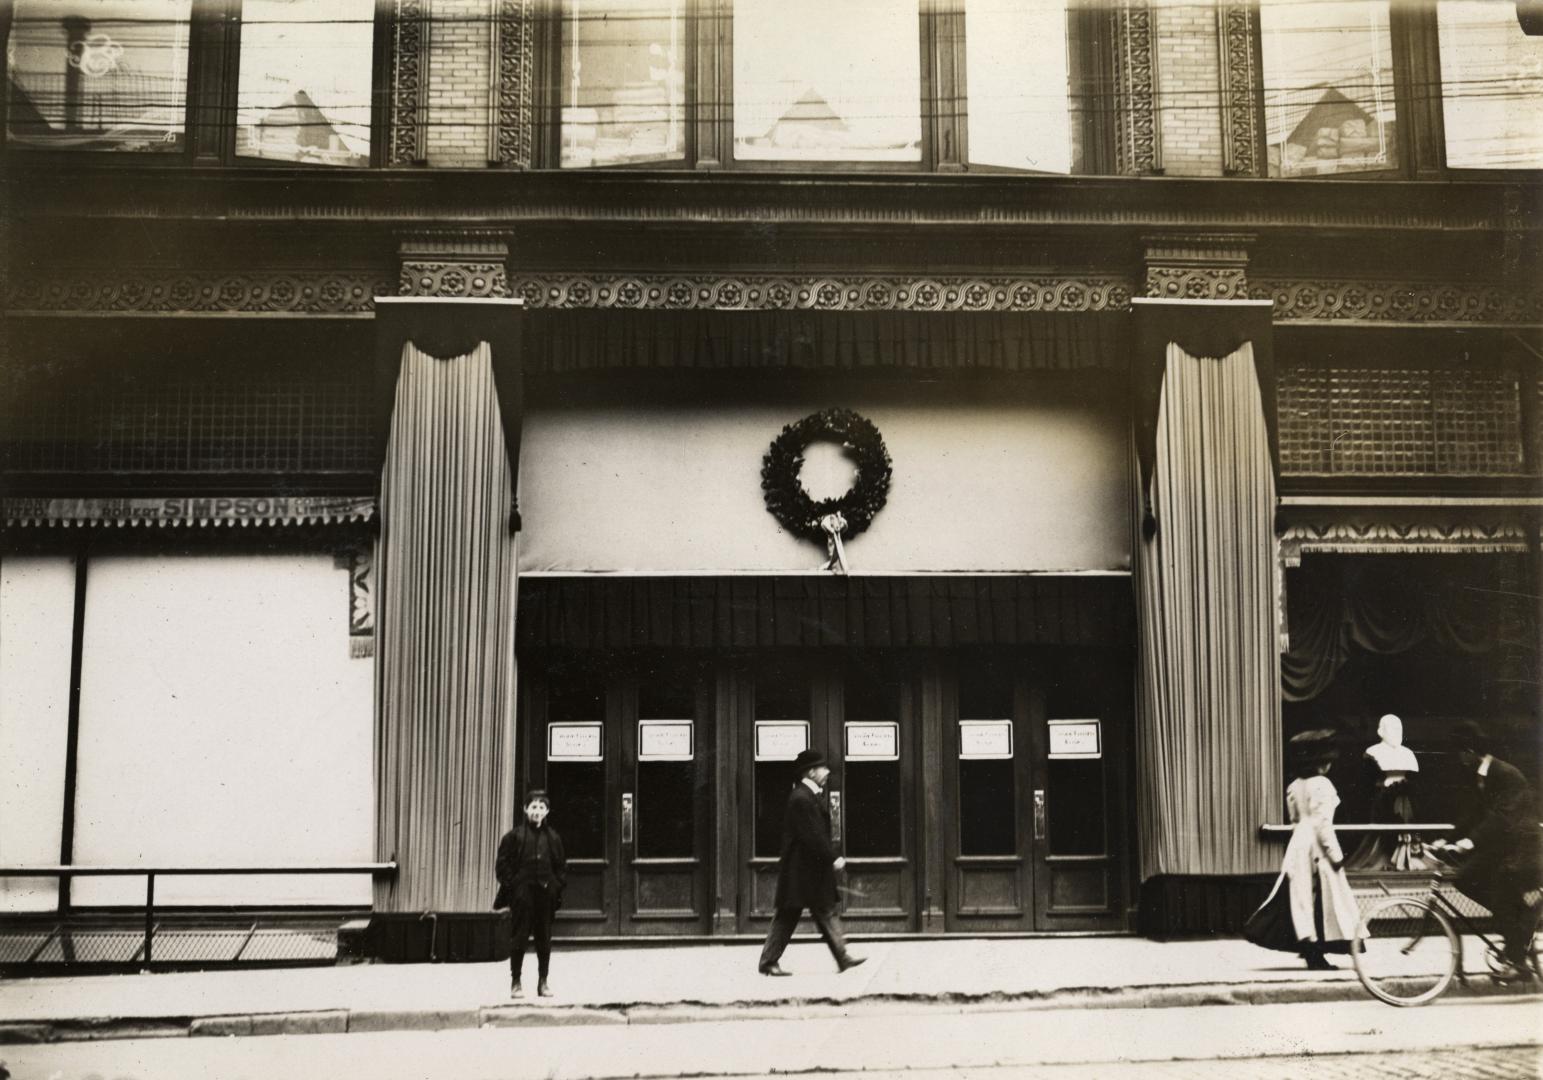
<point>1312,910</point>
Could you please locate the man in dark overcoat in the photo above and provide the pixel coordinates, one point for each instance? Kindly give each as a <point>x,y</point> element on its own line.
<point>806,875</point>
<point>1505,867</point>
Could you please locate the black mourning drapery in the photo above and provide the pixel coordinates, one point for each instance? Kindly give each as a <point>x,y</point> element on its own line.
<point>571,341</point>
<point>855,612</point>
<point>1391,605</point>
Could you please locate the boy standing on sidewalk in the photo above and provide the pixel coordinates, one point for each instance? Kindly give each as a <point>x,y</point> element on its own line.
<point>532,870</point>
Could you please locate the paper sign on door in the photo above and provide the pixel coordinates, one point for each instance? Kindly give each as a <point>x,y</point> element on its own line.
<point>780,740</point>
<point>573,742</point>
<point>664,740</point>
<point>1075,739</point>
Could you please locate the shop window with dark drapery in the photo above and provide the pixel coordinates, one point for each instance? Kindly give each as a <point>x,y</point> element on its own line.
<point>1433,639</point>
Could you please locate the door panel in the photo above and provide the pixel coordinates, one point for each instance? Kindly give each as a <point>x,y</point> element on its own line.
<point>1079,750</point>
<point>789,710</point>
<point>874,779</point>
<point>667,731</point>
<point>987,783</point>
<point>630,796</point>
<point>572,753</point>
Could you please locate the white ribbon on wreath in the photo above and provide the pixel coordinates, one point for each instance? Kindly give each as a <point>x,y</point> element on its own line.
<point>834,525</point>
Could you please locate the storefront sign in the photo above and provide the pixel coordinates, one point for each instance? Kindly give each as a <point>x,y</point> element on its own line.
<point>664,740</point>
<point>780,740</point>
<point>985,740</point>
<point>1075,739</point>
<point>573,742</point>
<point>183,510</point>
<point>873,742</point>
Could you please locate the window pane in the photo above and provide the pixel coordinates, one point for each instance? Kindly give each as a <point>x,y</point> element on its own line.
<point>873,808</point>
<point>1328,87</point>
<point>578,797</point>
<point>987,808</point>
<point>306,80</point>
<point>1018,78</point>
<point>780,694</point>
<point>1491,88</point>
<point>623,82</point>
<point>37,617</point>
<point>817,81</point>
<point>1076,807</point>
<point>222,722</point>
<point>98,74</point>
<point>666,809</point>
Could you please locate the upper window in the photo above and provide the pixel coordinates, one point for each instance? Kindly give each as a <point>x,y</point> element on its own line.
<point>882,84</point>
<point>113,75</point>
<point>99,74</point>
<point>1329,101</point>
<point>1368,87</point>
<point>1491,87</point>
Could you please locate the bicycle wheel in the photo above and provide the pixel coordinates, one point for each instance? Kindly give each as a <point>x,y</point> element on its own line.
<point>1409,953</point>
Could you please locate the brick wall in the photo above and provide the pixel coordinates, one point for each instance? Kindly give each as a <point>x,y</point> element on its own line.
<point>1189,86</point>
<point>459,78</point>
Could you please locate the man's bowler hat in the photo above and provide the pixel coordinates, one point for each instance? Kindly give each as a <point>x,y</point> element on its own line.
<point>806,760</point>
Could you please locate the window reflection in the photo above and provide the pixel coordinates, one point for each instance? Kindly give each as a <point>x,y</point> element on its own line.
<point>848,91</point>
<point>1328,86</point>
<point>623,82</point>
<point>98,74</point>
<point>305,86</point>
<point>1018,67</point>
<point>1491,87</point>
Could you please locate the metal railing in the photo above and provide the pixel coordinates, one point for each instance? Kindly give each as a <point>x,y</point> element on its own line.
<point>65,872</point>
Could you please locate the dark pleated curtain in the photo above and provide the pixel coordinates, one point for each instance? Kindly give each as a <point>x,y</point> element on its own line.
<point>444,762</point>
<point>601,612</point>
<point>1385,609</point>
<point>562,341</point>
<point>1208,701</point>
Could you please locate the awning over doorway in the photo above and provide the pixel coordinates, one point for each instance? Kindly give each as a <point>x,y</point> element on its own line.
<point>853,612</point>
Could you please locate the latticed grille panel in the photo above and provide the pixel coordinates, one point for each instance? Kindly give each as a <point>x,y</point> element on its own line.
<point>194,425</point>
<point>1399,422</point>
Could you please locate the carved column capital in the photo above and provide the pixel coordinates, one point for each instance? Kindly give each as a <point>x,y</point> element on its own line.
<point>454,263</point>
<point>1197,266</point>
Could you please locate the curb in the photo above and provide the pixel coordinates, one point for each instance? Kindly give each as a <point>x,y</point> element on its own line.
<point>342,1021</point>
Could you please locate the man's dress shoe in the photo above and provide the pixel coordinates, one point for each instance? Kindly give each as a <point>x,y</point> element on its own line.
<point>848,962</point>
<point>773,969</point>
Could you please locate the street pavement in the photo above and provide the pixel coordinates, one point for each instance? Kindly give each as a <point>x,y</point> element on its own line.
<point>1453,1039</point>
<point>663,983</point>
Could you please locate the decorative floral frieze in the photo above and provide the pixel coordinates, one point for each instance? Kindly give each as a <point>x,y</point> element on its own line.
<point>1237,26</point>
<point>468,279</point>
<point>157,291</point>
<point>1208,283</point>
<point>775,292</point>
<point>1316,299</point>
<point>1400,538</point>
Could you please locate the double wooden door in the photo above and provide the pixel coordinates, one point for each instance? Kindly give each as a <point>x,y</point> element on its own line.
<point>969,792</point>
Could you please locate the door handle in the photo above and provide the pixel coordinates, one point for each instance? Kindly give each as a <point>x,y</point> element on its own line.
<point>835,819</point>
<point>626,817</point>
<point>1039,814</point>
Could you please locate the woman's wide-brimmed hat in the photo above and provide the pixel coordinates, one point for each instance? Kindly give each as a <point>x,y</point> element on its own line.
<point>1312,746</point>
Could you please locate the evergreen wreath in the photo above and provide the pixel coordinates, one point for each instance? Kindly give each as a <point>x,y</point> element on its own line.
<point>786,498</point>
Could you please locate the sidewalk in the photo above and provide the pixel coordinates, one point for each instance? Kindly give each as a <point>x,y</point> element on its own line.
<point>672,984</point>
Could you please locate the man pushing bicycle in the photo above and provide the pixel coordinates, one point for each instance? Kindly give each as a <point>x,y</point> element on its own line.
<point>1503,868</point>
